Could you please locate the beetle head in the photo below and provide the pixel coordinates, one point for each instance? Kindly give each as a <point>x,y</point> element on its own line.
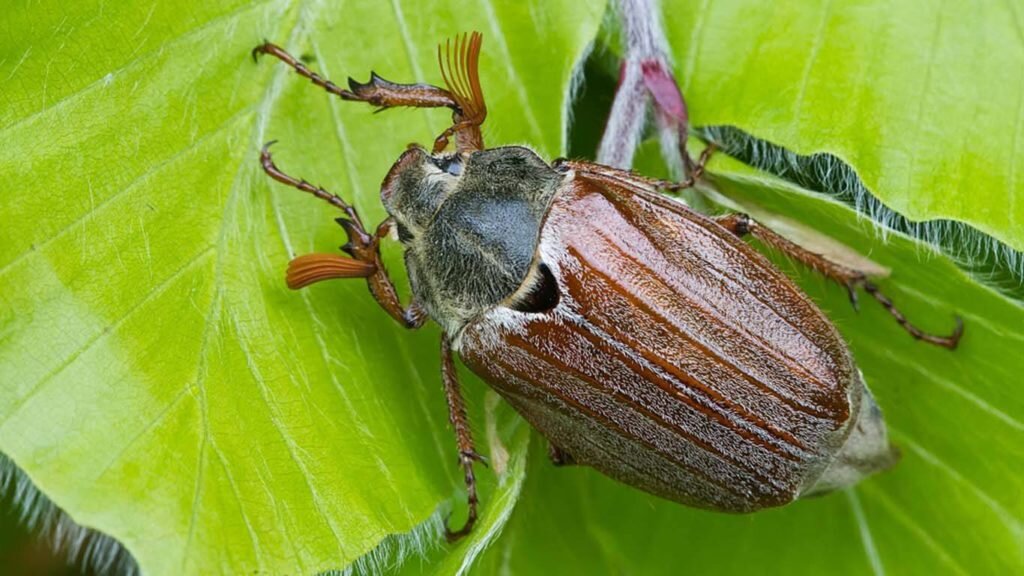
<point>417,185</point>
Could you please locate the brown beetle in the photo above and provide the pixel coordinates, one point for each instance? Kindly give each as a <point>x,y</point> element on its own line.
<point>639,337</point>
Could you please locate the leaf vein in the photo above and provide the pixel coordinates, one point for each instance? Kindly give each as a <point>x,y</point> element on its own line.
<point>819,39</point>
<point>135,59</point>
<point>513,76</point>
<point>870,550</point>
<point>129,187</point>
<point>1011,522</point>
<point>23,399</point>
<point>915,528</point>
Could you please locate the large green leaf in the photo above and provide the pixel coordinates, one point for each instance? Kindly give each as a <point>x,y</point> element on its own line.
<point>159,381</point>
<point>953,504</point>
<point>924,98</point>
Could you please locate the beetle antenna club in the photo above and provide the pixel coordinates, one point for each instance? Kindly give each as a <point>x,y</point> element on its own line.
<point>463,81</point>
<point>640,337</point>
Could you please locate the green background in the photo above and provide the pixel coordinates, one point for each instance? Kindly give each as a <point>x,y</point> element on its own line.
<point>161,384</point>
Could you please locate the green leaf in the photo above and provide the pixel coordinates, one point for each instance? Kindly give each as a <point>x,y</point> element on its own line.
<point>951,506</point>
<point>160,382</point>
<point>923,98</point>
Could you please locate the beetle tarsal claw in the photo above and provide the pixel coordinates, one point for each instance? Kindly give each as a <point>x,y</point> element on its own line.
<point>958,332</point>
<point>951,341</point>
<point>474,456</point>
<point>358,239</point>
<point>263,48</point>
<point>851,290</point>
<point>455,535</point>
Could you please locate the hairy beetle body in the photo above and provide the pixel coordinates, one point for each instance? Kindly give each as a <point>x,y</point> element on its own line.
<point>470,237</point>
<point>641,338</point>
<point>677,359</point>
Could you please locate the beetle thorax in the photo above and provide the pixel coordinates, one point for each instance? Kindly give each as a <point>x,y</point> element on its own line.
<point>470,225</point>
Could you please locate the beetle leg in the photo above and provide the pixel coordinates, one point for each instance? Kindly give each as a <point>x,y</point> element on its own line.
<point>694,169</point>
<point>851,279</point>
<point>267,162</point>
<point>463,95</point>
<point>560,457</point>
<point>463,436</point>
<point>362,246</point>
<point>441,142</point>
<point>380,284</point>
<point>378,91</point>
<point>383,291</point>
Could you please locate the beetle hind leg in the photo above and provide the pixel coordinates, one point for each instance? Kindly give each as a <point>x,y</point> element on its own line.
<point>463,436</point>
<point>950,341</point>
<point>851,279</point>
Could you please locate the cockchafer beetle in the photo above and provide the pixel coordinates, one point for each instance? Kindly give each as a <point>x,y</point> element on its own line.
<point>639,337</point>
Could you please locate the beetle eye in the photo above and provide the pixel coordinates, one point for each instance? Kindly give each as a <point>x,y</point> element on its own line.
<point>455,167</point>
<point>450,164</point>
<point>542,296</point>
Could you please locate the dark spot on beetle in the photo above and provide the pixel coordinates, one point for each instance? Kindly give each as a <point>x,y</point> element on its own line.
<point>542,296</point>
<point>404,236</point>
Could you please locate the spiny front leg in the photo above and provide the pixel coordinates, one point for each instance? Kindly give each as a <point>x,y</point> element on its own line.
<point>363,247</point>
<point>459,64</point>
<point>741,225</point>
<point>378,91</point>
<point>463,437</point>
